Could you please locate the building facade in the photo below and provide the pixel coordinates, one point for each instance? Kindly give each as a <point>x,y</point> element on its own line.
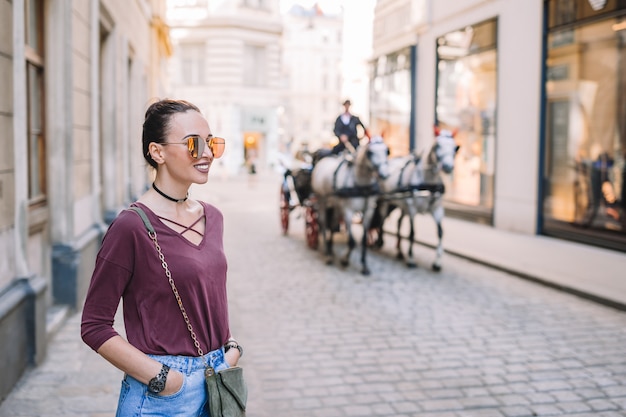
<point>227,62</point>
<point>536,94</point>
<point>312,61</point>
<point>397,25</point>
<point>76,78</point>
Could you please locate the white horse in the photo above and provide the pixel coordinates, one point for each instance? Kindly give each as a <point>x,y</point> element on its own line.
<point>342,187</point>
<point>415,186</point>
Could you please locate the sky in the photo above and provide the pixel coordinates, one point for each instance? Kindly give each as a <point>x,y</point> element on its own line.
<point>358,17</point>
<point>357,35</point>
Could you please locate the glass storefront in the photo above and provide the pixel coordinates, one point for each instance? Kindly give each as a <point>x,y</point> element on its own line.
<point>466,102</point>
<point>584,166</point>
<point>390,99</point>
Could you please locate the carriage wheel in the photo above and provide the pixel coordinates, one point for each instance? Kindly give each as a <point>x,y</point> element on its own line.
<point>311,227</point>
<point>284,210</point>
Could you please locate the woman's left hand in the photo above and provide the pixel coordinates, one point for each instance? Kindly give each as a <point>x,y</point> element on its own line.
<point>232,357</point>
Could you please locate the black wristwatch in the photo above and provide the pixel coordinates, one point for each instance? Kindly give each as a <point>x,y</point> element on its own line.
<point>157,384</point>
<point>232,343</point>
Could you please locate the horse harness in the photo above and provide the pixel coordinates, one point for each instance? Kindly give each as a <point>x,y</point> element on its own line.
<point>403,191</point>
<point>355,191</point>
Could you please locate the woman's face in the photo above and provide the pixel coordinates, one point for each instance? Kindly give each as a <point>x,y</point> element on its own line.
<point>178,159</point>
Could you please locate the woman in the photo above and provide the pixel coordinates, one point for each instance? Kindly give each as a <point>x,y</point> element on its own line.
<point>164,374</point>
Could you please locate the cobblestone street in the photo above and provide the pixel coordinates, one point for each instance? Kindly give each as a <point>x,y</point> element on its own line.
<point>325,341</point>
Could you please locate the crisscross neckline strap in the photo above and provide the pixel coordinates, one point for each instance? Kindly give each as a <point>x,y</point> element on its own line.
<point>185,228</point>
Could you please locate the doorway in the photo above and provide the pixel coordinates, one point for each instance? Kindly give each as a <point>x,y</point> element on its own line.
<point>251,152</point>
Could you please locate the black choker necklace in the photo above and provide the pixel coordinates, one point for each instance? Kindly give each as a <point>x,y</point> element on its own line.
<point>175,200</point>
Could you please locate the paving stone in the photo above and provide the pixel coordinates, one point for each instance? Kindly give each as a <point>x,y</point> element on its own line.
<point>565,396</point>
<point>481,413</point>
<point>546,410</point>
<point>357,410</point>
<point>590,394</point>
<point>438,394</point>
<point>554,385</point>
<point>540,398</point>
<point>306,403</point>
<point>516,411</point>
<point>603,405</point>
<point>479,402</point>
<point>512,399</point>
<point>574,407</point>
<point>441,405</point>
<point>404,407</point>
<point>384,410</point>
<point>427,414</point>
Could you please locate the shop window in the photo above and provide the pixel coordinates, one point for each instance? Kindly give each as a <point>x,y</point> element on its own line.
<point>466,102</point>
<point>568,12</point>
<point>584,169</point>
<point>35,100</point>
<point>390,99</point>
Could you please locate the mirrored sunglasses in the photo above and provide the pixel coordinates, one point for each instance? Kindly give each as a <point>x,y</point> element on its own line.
<point>195,145</point>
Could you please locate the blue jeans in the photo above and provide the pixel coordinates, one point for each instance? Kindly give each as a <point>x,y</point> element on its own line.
<point>190,401</point>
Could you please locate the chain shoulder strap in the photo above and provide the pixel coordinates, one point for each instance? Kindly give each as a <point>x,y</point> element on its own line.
<point>168,274</point>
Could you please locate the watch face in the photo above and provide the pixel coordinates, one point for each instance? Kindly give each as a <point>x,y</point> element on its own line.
<point>156,385</point>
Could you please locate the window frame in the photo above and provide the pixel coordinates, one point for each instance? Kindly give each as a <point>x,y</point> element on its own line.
<point>34,66</point>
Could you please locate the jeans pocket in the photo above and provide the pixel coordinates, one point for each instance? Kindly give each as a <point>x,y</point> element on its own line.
<point>188,401</point>
<point>124,390</point>
<point>175,394</point>
<point>219,362</point>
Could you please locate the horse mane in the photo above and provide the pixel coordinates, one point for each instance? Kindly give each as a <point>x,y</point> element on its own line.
<point>428,166</point>
<point>360,163</point>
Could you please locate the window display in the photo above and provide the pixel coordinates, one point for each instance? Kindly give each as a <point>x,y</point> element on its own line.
<point>466,101</point>
<point>390,99</point>
<point>585,131</point>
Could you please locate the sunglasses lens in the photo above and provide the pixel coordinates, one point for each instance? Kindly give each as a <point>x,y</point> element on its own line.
<point>192,146</point>
<point>196,146</point>
<point>217,146</point>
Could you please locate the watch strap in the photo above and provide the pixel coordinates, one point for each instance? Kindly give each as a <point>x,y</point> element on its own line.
<point>232,343</point>
<point>157,384</point>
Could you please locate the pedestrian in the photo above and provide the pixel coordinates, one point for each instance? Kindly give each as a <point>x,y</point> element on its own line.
<point>163,369</point>
<point>346,130</point>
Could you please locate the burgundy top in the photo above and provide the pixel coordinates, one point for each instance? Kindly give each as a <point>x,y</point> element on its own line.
<point>128,267</point>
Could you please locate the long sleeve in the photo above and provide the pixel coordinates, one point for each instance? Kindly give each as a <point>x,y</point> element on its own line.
<point>128,268</point>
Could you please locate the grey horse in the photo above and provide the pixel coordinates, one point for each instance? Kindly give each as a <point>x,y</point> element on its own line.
<point>415,186</point>
<point>344,186</point>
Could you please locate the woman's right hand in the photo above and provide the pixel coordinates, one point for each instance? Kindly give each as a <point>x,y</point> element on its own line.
<point>174,383</point>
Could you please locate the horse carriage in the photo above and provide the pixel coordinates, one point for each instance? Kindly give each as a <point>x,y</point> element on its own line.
<point>331,190</point>
<point>296,195</point>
